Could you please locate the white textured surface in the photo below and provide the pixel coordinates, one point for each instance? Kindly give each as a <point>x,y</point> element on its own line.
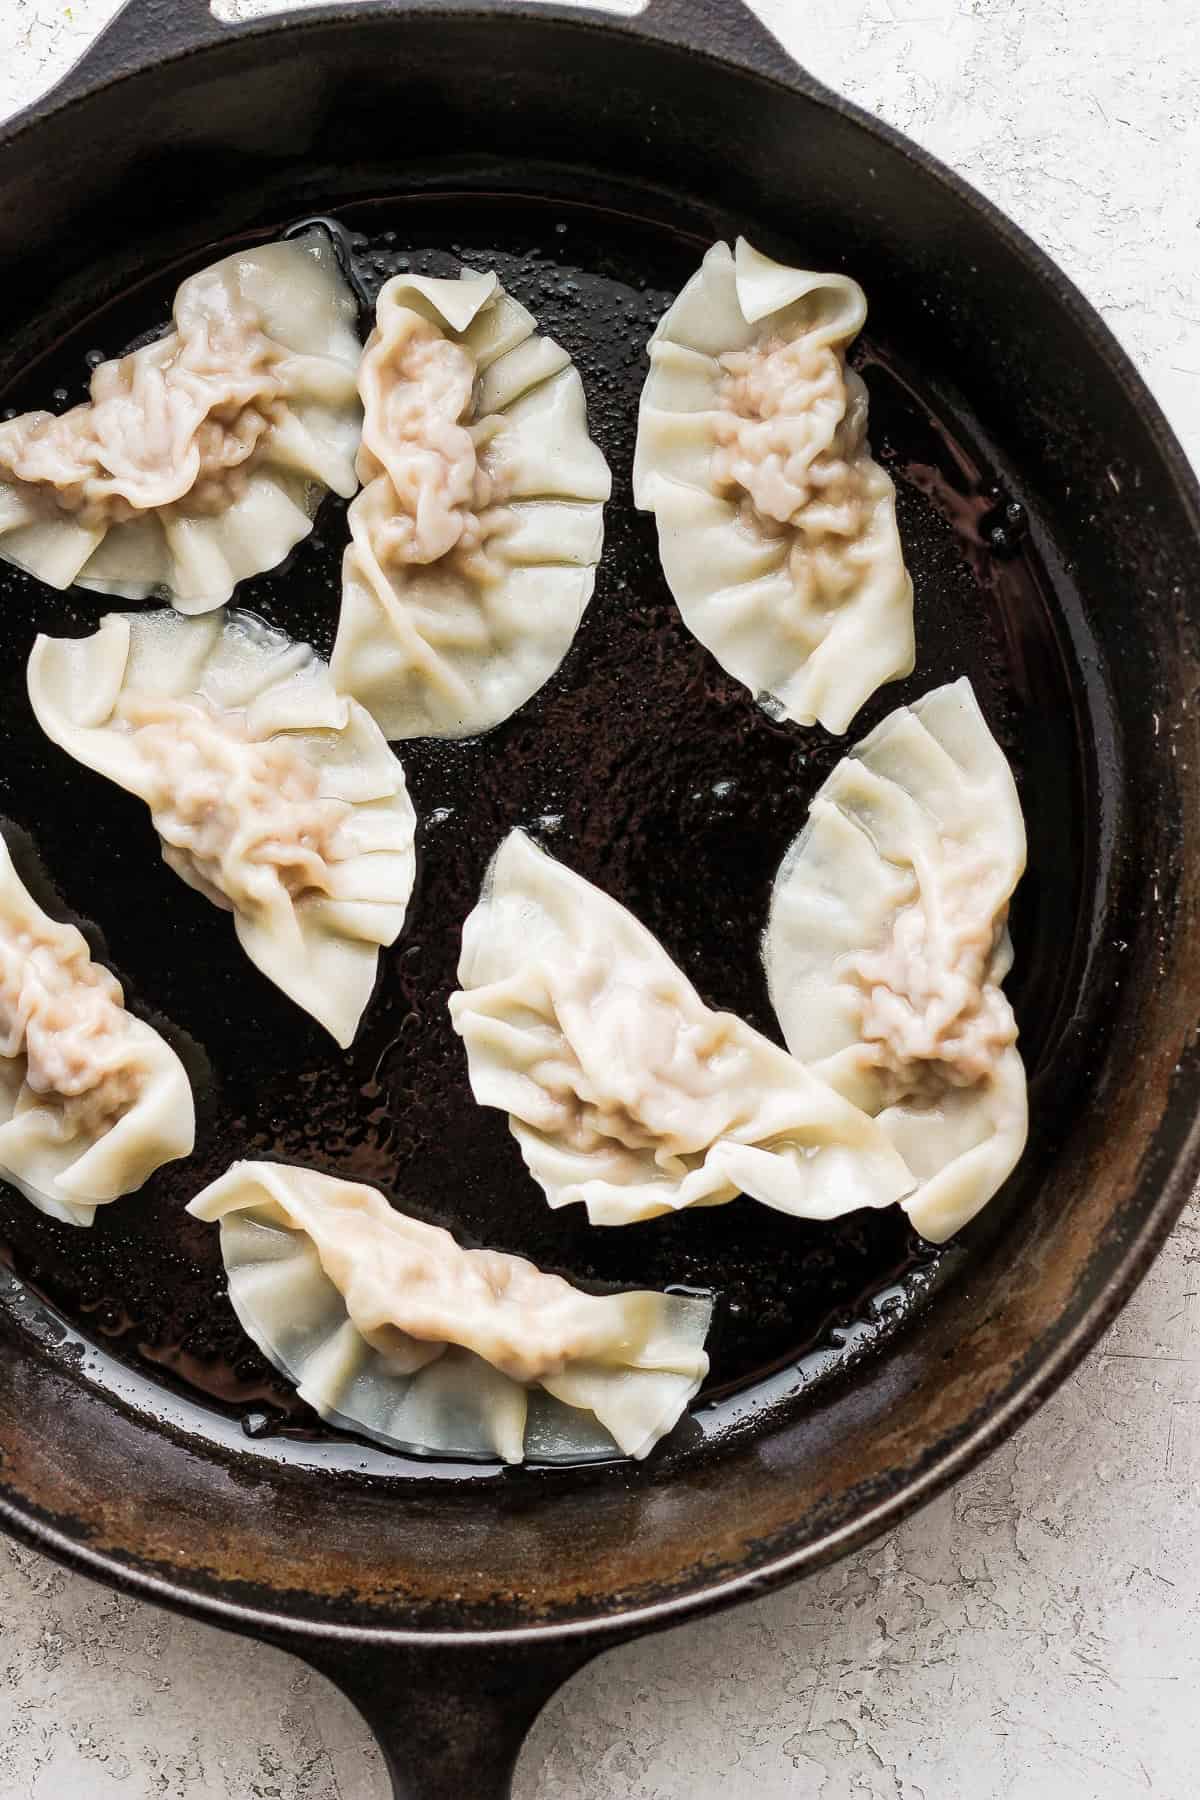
<point>1034,1634</point>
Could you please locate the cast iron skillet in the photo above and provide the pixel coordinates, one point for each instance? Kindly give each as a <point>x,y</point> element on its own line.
<point>1054,532</point>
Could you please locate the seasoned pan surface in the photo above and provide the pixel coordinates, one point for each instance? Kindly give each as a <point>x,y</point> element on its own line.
<point>643,766</point>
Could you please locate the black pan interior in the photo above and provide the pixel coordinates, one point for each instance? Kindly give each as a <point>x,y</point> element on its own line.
<point>643,766</point>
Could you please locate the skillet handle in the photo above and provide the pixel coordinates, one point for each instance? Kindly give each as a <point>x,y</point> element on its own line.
<point>144,31</point>
<point>450,1720</point>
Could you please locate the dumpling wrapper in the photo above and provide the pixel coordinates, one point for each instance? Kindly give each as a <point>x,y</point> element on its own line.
<point>475,540</point>
<point>889,913</point>
<point>201,458</point>
<point>92,1100</point>
<point>624,1091</point>
<point>274,796</point>
<point>776,529</point>
<point>388,1327</point>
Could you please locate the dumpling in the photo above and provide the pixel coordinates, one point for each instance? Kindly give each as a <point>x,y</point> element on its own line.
<point>92,1100</point>
<point>475,540</point>
<point>887,945</point>
<point>273,795</point>
<point>389,1328</point>
<point>777,530</point>
<point>623,1090</point>
<point>201,458</point>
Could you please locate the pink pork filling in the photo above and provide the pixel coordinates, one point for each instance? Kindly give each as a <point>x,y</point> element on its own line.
<point>65,1015</point>
<point>930,1013</point>
<point>180,420</point>
<point>444,499</point>
<point>791,440</point>
<point>241,817</point>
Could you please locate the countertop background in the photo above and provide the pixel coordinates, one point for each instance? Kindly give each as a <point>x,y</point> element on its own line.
<point>1034,1633</point>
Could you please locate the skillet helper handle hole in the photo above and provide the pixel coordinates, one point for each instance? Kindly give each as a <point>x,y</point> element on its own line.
<point>450,1721</point>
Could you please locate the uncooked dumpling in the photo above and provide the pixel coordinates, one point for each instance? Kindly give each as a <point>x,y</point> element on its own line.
<point>389,1328</point>
<point>887,945</point>
<point>777,530</point>
<point>475,539</point>
<point>622,1088</point>
<point>92,1100</point>
<point>273,795</point>
<point>201,458</point>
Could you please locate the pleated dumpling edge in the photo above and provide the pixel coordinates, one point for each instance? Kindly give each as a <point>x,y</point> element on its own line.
<point>475,540</point>
<point>92,1099</point>
<point>887,944</point>
<point>273,795</point>
<point>199,459</point>
<point>391,1329</point>
<point>777,529</point>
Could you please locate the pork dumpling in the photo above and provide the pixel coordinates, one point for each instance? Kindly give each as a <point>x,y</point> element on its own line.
<point>887,945</point>
<point>273,795</point>
<point>475,540</point>
<point>625,1091</point>
<point>201,458</point>
<point>776,529</point>
<point>92,1100</point>
<point>389,1328</point>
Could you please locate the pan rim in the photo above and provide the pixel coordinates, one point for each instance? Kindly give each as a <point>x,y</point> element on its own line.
<point>299,1633</point>
<point>1160,1198</point>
